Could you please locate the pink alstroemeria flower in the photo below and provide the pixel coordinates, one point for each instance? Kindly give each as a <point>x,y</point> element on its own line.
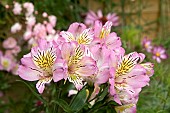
<point>159,53</point>
<point>77,32</point>
<point>92,17</point>
<point>101,56</point>
<point>74,65</point>
<point>147,44</point>
<point>103,37</point>
<point>129,76</point>
<point>39,64</point>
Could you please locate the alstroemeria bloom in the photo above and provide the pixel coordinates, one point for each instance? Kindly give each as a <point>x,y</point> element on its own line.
<point>39,64</point>
<point>103,37</point>
<point>130,76</point>
<point>92,17</point>
<point>147,44</point>
<point>77,32</point>
<point>101,56</point>
<point>74,65</point>
<point>159,53</point>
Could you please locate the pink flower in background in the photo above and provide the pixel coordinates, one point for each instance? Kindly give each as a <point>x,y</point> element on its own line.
<point>50,28</point>
<point>159,53</point>
<point>16,50</point>
<point>52,19</point>
<point>30,21</point>
<point>9,43</point>
<point>17,8</point>
<point>92,17</point>
<point>147,44</point>
<point>130,76</point>
<point>27,35</point>
<point>16,27</point>
<point>6,63</point>
<point>29,8</point>
<point>39,65</point>
<point>39,31</point>
<point>44,14</point>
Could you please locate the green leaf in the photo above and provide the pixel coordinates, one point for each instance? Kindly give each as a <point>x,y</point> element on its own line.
<point>80,100</point>
<point>103,94</point>
<point>33,91</point>
<point>63,104</point>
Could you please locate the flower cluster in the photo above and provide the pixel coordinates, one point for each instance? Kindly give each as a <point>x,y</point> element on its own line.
<point>88,56</point>
<point>32,32</point>
<point>158,52</point>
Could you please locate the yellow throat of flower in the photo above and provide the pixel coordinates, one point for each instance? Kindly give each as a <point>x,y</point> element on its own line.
<point>157,54</point>
<point>45,60</point>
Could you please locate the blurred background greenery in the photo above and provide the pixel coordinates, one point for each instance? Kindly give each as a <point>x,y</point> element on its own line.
<point>138,18</point>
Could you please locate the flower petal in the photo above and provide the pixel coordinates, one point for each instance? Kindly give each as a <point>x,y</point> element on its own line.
<point>67,36</point>
<point>86,67</point>
<point>85,37</point>
<point>29,74</point>
<point>76,29</point>
<point>41,84</point>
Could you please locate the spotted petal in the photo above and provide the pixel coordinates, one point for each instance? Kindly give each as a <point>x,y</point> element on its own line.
<point>41,84</point>
<point>67,36</point>
<point>85,37</point>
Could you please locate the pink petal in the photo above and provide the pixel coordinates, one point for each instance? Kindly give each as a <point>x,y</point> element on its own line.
<point>59,70</point>
<point>41,84</point>
<point>97,28</point>
<point>88,67</point>
<point>67,50</point>
<point>76,28</point>
<point>28,73</point>
<point>99,13</point>
<point>158,59</point>
<point>103,76</point>
<point>163,56</point>
<point>137,78</point>
<point>112,41</point>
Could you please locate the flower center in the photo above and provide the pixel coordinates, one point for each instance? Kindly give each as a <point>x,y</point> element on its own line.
<point>126,65</point>
<point>103,20</point>
<point>146,45</point>
<point>45,60</point>
<point>5,64</point>
<point>157,54</point>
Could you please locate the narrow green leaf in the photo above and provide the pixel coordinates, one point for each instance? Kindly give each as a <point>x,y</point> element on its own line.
<point>63,104</point>
<point>79,101</point>
<point>103,94</point>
